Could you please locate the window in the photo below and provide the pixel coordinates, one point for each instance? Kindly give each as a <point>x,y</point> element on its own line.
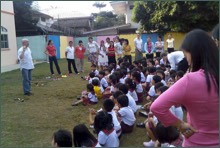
<point>131,7</point>
<point>4,37</point>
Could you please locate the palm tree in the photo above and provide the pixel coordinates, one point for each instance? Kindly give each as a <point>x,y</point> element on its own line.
<point>99,5</point>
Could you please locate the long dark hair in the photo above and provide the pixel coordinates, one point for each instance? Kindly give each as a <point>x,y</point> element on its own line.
<point>49,42</point>
<point>103,121</point>
<point>204,55</point>
<point>83,137</point>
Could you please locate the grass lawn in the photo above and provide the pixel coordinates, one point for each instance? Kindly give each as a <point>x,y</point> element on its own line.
<point>31,123</point>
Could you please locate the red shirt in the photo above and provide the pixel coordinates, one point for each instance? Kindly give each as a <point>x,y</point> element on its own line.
<point>111,49</point>
<point>79,53</point>
<point>51,50</point>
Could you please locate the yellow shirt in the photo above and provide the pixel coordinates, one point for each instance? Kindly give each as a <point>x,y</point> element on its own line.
<point>98,92</point>
<point>127,49</point>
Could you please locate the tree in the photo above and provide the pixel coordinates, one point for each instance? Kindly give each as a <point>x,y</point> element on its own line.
<point>99,5</point>
<point>107,19</point>
<point>181,16</point>
<point>23,16</point>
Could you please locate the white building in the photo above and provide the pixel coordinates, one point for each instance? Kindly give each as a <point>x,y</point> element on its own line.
<point>125,7</point>
<point>8,35</point>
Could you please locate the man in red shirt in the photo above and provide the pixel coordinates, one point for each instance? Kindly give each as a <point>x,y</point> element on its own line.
<point>79,53</point>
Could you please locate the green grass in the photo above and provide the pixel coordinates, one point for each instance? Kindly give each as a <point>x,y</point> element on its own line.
<point>31,123</point>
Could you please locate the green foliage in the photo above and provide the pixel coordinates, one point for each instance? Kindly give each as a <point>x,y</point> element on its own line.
<point>23,15</point>
<point>181,16</point>
<point>107,19</point>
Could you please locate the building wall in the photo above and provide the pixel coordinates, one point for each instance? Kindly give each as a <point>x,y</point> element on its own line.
<point>9,55</point>
<point>129,15</point>
<point>37,46</point>
<point>63,45</point>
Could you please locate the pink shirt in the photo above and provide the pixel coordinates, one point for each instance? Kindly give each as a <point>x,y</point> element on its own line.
<point>202,108</point>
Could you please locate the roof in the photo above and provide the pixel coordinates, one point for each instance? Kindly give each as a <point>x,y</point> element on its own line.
<point>109,28</point>
<point>119,6</point>
<point>76,18</point>
<point>76,22</point>
<point>40,14</point>
<point>47,29</point>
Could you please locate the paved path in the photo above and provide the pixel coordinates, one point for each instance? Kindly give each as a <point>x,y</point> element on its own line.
<point>14,67</point>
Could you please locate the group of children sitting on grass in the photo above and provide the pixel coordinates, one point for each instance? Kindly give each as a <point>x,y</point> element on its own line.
<point>122,87</point>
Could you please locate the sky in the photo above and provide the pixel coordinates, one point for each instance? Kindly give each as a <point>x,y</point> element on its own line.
<point>70,8</point>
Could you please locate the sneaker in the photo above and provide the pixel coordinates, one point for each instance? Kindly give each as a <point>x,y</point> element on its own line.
<point>149,144</point>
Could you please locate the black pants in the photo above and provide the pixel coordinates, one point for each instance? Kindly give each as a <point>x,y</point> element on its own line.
<point>183,65</point>
<point>51,60</point>
<point>71,61</point>
<point>129,58</point>
<point>170,50</point>
<point>111,59</point>
<point>158,54</point>
<point>150,56</point>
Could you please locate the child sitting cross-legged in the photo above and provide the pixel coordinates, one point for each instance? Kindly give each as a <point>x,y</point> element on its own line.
<point>97,88</point>
<point>126,114</point>
<point>103,81</point>
<point>131,89</point>
<point>88,98</point>
<point>152,93</point>
<point>136,76</point>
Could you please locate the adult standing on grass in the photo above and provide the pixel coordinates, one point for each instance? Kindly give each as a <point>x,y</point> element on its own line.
<point>197,91</point>
<point>79,53</point>
<point>26,66</point>
<point>51,52</point>
<point>159,46</point>
<point>70,58</point>
<point>127,51</point>
<point>92,48</point>
<point>149,48</point>
<point>138,44</point>
<point>170,43</point>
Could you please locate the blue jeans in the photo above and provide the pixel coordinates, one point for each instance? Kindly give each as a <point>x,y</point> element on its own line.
<point>26,75</point>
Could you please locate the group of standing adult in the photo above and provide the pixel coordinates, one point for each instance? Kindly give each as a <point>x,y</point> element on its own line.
<point>150,48</point>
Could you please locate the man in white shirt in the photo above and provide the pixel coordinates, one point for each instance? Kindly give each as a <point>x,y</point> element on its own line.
<point>138,44</point>
<point>26,66</point>
<point>70,58</point>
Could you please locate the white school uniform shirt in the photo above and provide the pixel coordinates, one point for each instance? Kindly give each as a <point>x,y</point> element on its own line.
<point>164,82</point>
<point>152,92</point>
<point>110,140</point>
<point>143,79</point>
<point>70,52</point>
<point>149,78</point>
<point>118,48</point>
<point>96,72</point>
<point>26,62</point>
<point>103,82</point>
<point>127,115</point>
<point>107,45</point>
<point>138,43</point>
<point>92,97</point>
<point>170,42</point>
<point>178,111</point>
<point>133,94</point>
<point>122,80</point>
<point>139,88</point>
<point>162,62</point>
<point>112,89</point>
<point>92,47</point>
<point>132,103</point>
<point>174,58</point>
<point>115,121</point>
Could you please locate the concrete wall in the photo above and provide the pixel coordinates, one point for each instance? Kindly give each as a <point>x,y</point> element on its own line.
<point>37,45</point>
<point>8,55</point>
<point>63,45</point>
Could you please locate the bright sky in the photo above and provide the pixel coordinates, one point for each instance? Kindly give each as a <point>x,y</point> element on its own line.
<point>71,8</point>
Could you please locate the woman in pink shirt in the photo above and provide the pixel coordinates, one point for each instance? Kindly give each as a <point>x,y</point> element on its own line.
<point>197,91</point>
